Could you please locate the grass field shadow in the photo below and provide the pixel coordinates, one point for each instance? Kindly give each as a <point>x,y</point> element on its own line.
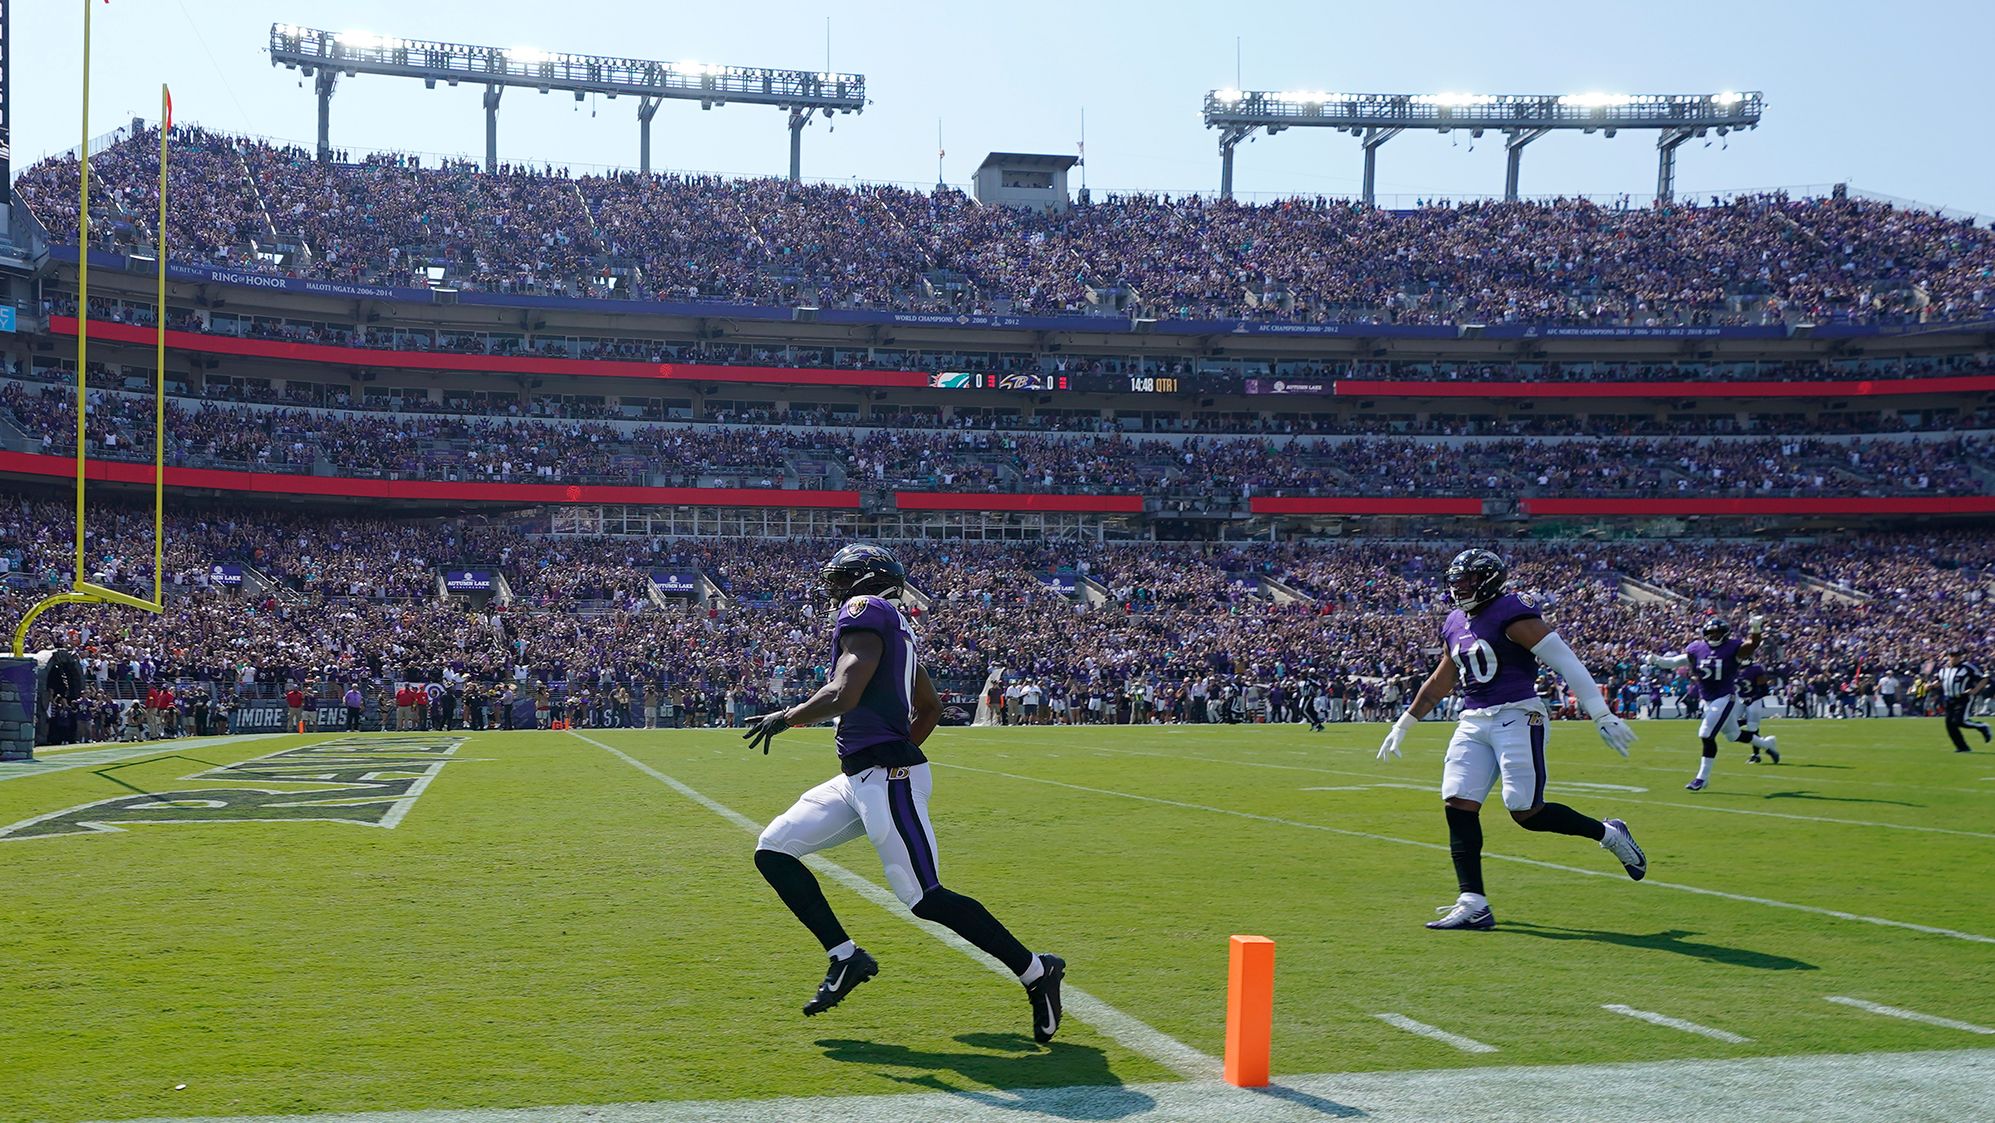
<point>105,772</point>
<point>1063,1080</point>
<point>1325,1107</point>
<point>1672,940</point>
<point>1837,798</point>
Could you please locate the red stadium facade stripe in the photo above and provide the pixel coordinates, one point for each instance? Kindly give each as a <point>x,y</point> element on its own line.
<point>1769,505</point>
<point>199,342</point>
<point>1852,388</point>
<point>1360,505</point>
<point>355,487</point>
<point>989,501</point>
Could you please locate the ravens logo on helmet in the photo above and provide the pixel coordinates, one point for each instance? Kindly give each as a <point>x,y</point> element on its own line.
<point>861,570</point>
<point>1475,578</point>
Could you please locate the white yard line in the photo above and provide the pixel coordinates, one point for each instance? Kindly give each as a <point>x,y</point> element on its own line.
<point>1854,1088</point>
<point>1130,1032</point>
<point>1973,937</point>
<point>1786,774</point>
<point>1618,798</point>
<point>1908,1015</point>
<point>1455,1040</point>
<point>1653,1018</point>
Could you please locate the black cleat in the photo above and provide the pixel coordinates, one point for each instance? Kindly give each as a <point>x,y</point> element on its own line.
<point>1045,995</point>
<point>844,975</point>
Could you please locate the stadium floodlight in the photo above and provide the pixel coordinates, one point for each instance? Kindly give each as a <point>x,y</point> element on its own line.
<point>326,55</point>
<point>1521,118</point>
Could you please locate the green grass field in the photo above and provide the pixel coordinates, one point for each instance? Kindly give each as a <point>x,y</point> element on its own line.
<point>548,923</point>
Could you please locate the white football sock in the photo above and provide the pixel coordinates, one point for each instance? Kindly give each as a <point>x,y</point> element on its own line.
<point>1704,767</point>
<point>1761,742</point>
<point>843,951</point>
<point>1475,901</point>
<point>1031,974</point>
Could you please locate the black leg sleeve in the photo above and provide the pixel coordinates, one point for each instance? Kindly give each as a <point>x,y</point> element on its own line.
<point>1560,819</point>
<point>1465,847</point>
<point>968,918</point>
<point>799,890</point>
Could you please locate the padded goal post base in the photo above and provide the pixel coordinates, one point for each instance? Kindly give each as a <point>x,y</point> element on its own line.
<point>18,696</point>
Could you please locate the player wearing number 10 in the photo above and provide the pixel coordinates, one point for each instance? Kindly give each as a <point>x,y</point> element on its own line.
<point>1495,640</point>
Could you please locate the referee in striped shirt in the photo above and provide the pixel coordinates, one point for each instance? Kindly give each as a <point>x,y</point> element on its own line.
<point>1960,681</point>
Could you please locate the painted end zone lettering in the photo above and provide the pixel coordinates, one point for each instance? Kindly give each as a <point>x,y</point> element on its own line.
<point>371,782</point>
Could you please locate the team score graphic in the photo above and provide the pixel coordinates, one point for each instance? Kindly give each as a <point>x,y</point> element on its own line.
<point>1476,662</point>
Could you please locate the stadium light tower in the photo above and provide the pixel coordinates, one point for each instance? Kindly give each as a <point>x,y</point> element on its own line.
<point>324,56</point>
<point>1521,118</point>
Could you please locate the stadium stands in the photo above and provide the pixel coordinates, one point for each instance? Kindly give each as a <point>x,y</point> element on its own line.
<point>339,599</point>
<point>1194,486</point>
<point>1770,259</point>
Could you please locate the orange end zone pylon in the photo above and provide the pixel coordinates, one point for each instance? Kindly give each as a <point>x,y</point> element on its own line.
<point>1250,1010</point>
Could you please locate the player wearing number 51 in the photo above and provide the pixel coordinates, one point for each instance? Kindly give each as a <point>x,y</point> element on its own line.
<point>1714,661</point>
<point>1494,641</point>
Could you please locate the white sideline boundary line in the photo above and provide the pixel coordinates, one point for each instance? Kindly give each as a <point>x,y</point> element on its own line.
<point>1828,1088</point>
<point>1972,937</point>
<point>1127,1031</point>
<point>1687,805</point>
<point>1456,1040</point>
<point>1908,1015</point>
<point>1664,1020</point>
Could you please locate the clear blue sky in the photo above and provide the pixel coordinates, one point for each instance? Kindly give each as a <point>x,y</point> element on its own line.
<point>1857,92</point>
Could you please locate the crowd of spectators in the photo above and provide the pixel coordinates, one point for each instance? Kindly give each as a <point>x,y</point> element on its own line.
<point>1162,627</point>
<point>1769,258</point>
<point>1204,469</point>
<point>1099,373</point>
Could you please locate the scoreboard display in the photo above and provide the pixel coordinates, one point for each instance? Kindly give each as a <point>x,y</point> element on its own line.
<point>983,380</point>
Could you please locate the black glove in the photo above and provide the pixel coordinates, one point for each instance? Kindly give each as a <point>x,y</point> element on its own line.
<point>763,730</point>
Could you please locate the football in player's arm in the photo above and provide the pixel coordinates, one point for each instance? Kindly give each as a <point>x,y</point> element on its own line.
<point>1715,662</point>
<point>1494,643</point>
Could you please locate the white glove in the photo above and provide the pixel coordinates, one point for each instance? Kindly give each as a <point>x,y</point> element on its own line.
<point>1396,734</point>
<point>1615,732</point>
<point>1755,625</point>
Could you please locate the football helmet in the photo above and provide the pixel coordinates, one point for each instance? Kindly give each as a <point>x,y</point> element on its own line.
<point>1475,578</point>
<point>861,570</point>
<point>1715,631</point>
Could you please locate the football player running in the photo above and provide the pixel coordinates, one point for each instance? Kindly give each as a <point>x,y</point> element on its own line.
<point>1714,661</point>
<point>1755,687</point>
<point>885,707</point>
<point>1494,641</point>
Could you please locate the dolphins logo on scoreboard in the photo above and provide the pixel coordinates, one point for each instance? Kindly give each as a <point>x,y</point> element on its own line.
<point>368,782</point>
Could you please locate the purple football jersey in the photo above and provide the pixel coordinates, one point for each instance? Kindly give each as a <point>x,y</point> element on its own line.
<point>885,713</point>
<point>1715,667</point>
<point>1492,668</point>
